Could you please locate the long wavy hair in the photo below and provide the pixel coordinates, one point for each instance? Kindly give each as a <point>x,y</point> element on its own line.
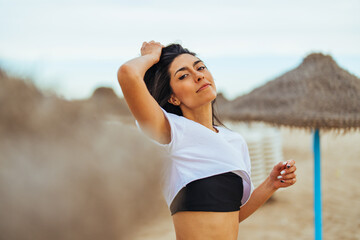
<point>157,80</point>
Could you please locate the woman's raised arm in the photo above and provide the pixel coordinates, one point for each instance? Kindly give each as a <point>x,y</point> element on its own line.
<point>150,54</point>
<point>143,106</point>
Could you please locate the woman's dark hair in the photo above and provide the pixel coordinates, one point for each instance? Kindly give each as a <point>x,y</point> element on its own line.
<point>157,80</point>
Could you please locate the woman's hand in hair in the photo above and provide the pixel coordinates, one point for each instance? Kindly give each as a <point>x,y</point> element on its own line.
<point>152,48</point>
<point>283,174</point>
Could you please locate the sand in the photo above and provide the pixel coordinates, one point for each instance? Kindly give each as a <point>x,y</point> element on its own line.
<point>288,214</point>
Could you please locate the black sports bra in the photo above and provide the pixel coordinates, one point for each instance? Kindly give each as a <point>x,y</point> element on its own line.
<point>217,193</point>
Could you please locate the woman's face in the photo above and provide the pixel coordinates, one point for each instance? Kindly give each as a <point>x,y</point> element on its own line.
<point>187,75</point>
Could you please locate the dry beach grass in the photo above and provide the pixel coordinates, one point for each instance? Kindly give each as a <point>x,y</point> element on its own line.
<point>66,173</point>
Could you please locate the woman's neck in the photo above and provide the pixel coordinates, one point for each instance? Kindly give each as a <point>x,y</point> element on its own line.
<point>202,115</point>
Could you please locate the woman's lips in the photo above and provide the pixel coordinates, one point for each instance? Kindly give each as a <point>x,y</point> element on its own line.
<point>203,87</point>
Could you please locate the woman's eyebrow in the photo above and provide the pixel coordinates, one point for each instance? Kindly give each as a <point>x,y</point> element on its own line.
<point>184,68</point>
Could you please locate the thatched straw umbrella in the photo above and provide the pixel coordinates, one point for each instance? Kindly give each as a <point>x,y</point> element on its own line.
<point>222,104</point>
<point>318,94</point>
<point>106,105</point>
<point>108,102</point>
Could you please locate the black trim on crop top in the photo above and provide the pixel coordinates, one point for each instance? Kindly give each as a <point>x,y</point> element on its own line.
<point>217,193</point>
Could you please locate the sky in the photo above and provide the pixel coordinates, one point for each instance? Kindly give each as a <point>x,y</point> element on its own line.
<point>73,47</point>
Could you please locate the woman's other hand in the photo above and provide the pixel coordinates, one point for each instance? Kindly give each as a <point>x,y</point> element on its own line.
<point>152,48</point>
<point>283,174</point>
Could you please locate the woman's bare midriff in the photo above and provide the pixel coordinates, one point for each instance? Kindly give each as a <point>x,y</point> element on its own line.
<point>191,225</point>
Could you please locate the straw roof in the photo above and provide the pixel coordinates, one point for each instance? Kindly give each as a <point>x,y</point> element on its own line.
<point>316,94</point>
<point>221,104</point>
<point>104,103</point>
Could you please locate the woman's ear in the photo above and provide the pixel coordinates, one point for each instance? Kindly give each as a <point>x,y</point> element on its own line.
<point>174,101</point>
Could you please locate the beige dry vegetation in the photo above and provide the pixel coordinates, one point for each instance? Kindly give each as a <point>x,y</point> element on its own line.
<point>69,171</point>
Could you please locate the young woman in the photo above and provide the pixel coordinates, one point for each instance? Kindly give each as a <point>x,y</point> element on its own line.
<point>207,185</point>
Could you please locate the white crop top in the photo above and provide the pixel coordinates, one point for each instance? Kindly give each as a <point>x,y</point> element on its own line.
<point>197,152</point>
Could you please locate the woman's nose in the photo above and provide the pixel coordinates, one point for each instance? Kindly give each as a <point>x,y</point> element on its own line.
<point>199,76</point>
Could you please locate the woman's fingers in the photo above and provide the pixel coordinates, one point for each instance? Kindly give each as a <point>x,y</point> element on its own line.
<point>286,164</point>
<point>151,43</point>
<point>290,163</point>
<point>152,47</point>
<point>279,166</point>
<point>292,169</point>
<point>288,170</point>
<point>287,173</point>
<point>287,176</point>
<point>283,173</point>
<point>288,181</point>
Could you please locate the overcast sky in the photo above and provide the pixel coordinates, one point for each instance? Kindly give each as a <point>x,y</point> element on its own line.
<point>73,47</point>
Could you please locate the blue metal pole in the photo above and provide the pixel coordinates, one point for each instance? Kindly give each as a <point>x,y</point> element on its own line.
<point>317,185</point>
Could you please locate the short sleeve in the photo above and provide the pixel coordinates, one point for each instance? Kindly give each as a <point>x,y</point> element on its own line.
<point>176,130</point>
<point>252,187</point>
<point>246,154</point>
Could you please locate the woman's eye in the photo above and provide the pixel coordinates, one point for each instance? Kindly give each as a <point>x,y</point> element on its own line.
<point>182,77</point>
<point>202,67</point>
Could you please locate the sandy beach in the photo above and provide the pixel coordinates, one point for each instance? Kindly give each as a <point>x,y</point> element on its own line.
<point>288,214</point>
